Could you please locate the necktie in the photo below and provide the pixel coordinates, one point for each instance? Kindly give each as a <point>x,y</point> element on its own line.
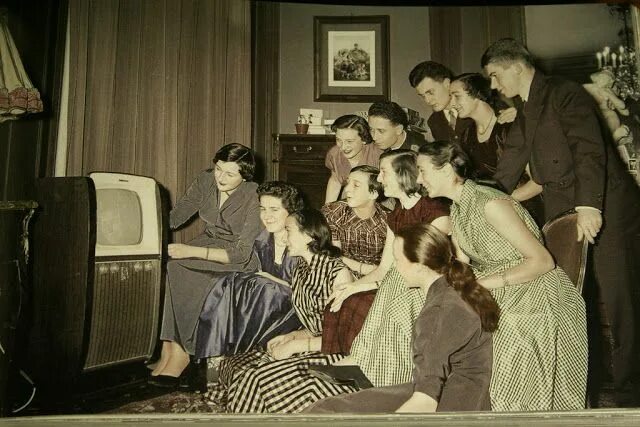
<point>452,119</point>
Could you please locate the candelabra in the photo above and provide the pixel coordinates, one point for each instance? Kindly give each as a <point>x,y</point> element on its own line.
<point>624,69</point>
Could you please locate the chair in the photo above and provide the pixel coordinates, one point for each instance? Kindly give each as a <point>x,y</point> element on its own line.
<point>560,234</point>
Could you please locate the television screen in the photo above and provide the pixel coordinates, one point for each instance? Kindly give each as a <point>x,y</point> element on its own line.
<point>119,217</point>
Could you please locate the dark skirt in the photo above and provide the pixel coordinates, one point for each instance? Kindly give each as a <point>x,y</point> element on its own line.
<point>189,281</point>
<point>243,312</point>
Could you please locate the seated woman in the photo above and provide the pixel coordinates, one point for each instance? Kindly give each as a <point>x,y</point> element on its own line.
<point>319,269</point>
<point>398,175</point>
<point>353,148</point>
<point>540,346</point>
<point>244,310</point>
<point>451,338</point>
<point>472,97</point>
<point>227,202</point>
<point>358,226</point>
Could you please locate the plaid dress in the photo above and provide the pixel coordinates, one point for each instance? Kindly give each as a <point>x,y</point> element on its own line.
<point>255,382</point>
<point>540,346</point>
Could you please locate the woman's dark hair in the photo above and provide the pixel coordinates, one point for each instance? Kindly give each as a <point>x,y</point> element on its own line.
<point>446,152</point>
<point>403,162</point>
<point>352,121</point>
<point>288,194</point>
<point>426,245</point>
<point>312,223</point>
<point>479,87</point>
<point>239,154</point>
<point>373,173</point>
<point>391,111</point>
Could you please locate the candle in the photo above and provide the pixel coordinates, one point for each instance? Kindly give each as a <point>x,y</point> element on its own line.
<point>605,55</point>
<point>599,56</point>
<point>621,49</point>
<point>613,60</point>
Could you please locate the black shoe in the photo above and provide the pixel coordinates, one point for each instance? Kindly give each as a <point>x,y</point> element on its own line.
<point>194,378</point>
<point>164,381</point>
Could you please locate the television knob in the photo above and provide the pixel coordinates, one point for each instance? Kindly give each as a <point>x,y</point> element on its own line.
<point>114,268</point>
<point>137,267</point>
<point>102,269</point>
<point>148,266</point>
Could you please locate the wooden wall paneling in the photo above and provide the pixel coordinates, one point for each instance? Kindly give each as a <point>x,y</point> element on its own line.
<point>445,30</point>
<point>505,21</point>
<point>265,66</point>
<point>126,90</point>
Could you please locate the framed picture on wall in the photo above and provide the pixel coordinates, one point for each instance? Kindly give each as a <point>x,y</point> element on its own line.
<point>351,58</point>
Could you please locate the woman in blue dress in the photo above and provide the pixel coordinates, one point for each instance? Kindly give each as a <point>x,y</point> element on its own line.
<point>246,309</point>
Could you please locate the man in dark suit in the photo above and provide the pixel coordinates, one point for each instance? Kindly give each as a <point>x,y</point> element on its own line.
<point>431,80</point>
<point>557,132</point>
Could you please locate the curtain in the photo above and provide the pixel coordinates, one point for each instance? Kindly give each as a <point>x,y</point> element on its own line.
<point>156,87</point>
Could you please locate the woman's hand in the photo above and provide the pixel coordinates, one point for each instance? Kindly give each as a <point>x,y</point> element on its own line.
<point>285,350</point>
<point>507,115</point>
<point>280,339</point>
<point>343,291</point>
<point>179,251</point>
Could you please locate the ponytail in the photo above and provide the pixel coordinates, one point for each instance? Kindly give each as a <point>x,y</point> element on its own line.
<point>426,245</point>
<point>461,278</point>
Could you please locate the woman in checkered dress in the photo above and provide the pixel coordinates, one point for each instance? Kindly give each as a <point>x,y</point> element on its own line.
<point>319,268</point>
<point>540,346</point>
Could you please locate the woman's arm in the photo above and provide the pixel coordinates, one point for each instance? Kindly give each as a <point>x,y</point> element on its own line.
<point>358,266</point>
<point>333,190</point>
<point>273,278</point>
<point>190,202</point>
<point>461,256</point>
<point>526,191</point>
<point>180,250</point>
<point>537,260</point>
<point>368,282</point>
<point>419,402</point>
<point>443,224</point>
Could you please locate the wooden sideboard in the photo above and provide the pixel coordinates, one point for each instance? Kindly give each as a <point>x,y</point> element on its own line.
<point>300,161</point>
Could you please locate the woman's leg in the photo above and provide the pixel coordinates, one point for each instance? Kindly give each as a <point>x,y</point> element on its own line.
<point>177,362</point>
<point>165,355</point>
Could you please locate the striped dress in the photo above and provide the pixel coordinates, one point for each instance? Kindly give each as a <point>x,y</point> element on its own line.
<point>255,382</point>
<point>540,346</point>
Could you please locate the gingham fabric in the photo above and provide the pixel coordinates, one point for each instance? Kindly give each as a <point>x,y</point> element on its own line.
<point>383,346</point>
<point>311,285</point>
<point>540,346</point>
<point>360,239</point>
<point>254,382</point>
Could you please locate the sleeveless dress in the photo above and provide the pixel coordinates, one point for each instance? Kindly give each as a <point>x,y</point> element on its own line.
<point>540,346</point>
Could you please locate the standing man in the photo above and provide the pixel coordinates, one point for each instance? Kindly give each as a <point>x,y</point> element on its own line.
<point>388,126</point>
<point>431,80</point>
<point>557,132</point>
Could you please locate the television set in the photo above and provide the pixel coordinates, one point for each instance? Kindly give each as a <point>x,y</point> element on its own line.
<point>97,275</point>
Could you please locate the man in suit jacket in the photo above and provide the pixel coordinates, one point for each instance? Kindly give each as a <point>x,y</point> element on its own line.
<point>558,134</point>
<point>431,80</point>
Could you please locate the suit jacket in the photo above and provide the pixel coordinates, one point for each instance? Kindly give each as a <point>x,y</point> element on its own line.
<point>441,130</point>
<point>557,132</point>
<point>413,141</point>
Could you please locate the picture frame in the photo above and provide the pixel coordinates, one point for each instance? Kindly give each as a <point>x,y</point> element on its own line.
<point>351,58</point>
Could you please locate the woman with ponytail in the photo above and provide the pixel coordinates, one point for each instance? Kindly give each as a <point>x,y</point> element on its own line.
<point>540,346</point>
<point>452,348</point>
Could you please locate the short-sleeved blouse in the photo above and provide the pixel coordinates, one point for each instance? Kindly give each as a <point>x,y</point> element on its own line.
<point>360,239</point>
<point>340,167</point>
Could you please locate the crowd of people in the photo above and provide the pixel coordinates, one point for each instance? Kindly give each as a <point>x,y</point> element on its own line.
<point>423,284</point>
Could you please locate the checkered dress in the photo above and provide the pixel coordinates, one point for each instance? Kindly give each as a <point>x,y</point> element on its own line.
<point>255,382</point>
<point>540,346</point>
<point>383,346</point>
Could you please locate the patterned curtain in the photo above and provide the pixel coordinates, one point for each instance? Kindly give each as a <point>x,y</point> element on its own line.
<point>157,86</point>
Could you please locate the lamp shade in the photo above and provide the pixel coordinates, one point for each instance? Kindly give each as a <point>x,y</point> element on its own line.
<point>17,94</point>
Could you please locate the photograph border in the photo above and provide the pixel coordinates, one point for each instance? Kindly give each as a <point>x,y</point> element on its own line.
<point>321,27</point>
